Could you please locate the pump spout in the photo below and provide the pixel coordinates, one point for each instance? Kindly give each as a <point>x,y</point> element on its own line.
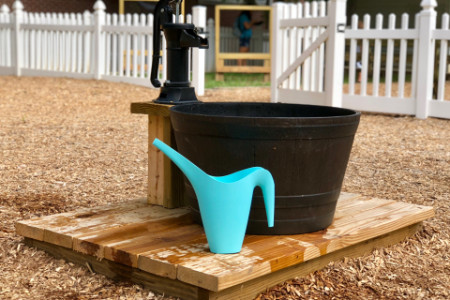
<point>190,38</point>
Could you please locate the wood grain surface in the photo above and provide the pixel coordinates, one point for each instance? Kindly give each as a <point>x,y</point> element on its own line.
<point>166,242</point>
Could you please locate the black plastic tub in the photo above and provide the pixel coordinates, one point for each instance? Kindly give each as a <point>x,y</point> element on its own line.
<point>305,147</point>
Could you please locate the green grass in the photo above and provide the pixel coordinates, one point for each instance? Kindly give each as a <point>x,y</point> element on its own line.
<point>235,80</point>
<point>244,80</point>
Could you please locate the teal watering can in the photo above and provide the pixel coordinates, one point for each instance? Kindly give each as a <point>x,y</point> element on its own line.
<point>225,201</point>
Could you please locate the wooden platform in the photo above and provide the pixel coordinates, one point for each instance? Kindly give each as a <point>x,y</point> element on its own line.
<point>163,250</point>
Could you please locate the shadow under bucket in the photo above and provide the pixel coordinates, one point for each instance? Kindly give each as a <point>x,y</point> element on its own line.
<point>305,147</point>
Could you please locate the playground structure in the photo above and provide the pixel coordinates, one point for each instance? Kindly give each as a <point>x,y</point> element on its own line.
<point>221,57</point>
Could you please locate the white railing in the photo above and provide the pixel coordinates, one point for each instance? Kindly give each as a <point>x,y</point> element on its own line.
<point>90,45</point>
<point>397,65</point>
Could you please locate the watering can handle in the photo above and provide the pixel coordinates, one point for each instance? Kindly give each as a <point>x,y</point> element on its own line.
<point>265,181</point>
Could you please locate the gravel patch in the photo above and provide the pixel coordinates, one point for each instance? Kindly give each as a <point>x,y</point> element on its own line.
<point>69,143</point>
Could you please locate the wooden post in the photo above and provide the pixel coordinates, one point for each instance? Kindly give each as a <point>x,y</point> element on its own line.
<point>425,60</point>
<point>277,13</point>
<point>87,45</point>
<point>5,56</point>
<point>17,41</point>
<point>335,53</point>
<point>99,46</point>
<point>165,181</point>
<point>198,55</point>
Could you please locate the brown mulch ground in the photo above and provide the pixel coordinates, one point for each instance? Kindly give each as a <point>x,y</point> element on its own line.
<point>68,143</point>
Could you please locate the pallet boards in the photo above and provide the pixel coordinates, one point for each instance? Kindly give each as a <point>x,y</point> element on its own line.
<point>164,250</point>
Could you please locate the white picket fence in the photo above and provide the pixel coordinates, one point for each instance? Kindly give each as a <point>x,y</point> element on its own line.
<point>90,45</point>
<point>398,64</point>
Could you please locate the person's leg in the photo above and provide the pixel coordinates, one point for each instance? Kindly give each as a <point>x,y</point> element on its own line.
<point>244,47</point>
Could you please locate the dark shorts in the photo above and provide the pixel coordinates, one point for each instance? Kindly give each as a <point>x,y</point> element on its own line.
<point>244,42</point>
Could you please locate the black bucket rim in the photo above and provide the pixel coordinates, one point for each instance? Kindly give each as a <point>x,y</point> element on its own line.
<point>344,112</point>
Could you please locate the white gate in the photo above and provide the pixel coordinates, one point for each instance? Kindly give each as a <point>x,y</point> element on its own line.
<point>305,36</point>
<point>305,71</point>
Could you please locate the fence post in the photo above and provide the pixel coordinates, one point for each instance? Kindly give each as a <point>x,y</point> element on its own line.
<point>425,59</point>
<point>198,55</point>
<point>5,60</point>
<point>210,58</point>
<point>276,61</point>
<point>335,53</point>
<point>99,45</point>
<point>17,43</point>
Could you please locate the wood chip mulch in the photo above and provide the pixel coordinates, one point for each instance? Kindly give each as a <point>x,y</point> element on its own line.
<point>69,143</point>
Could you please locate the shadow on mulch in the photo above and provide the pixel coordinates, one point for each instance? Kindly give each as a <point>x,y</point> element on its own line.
<point>36,204</point>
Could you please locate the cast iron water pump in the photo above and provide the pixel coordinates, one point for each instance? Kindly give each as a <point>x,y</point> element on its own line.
<point>180,37</point>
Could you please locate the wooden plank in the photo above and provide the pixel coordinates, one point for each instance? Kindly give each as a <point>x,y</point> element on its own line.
<point>35,228</point>
<point>124,244</point>
<point>166,243</point>
<point>64,235</point>
<point>117,271</point>
<point>150,108</point>
<point>245,290</point>
<point>158,262</point>
<point>119,225</point>
<point>250,289</point>
<point>258,257</point>
<point>244,55</point>
<point>156,176</point>
<point>242,69</point>
<point>165,182</point>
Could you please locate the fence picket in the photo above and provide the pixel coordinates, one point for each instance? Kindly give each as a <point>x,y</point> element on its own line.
<point>285,43</point>
<point>114,37</point>
<point>442,60</point>
<point>402,59</point>
<point>299,37</point>
<point>142,37</point>
<point>292,44</point>
<point>313,59</point>
<point>149,45</point>
<point>377,57</point>
<point>32,42</point>
<point>389,59</point>
<point>321,50</point>
<point>128,47</point>
<point>365,57</point>
<point>44,42</point>
<point>79,45</point>
<point>353,58</point>
<point>68,44</point>
<point>87,43</point>
<point>26,46</point>
<point>121,45</point>
<point>415,59</point>
<point>306,42</point>
<point>135,48</point>
<point>73,44</point>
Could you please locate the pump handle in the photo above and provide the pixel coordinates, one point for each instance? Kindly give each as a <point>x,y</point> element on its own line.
<point>163,14</point>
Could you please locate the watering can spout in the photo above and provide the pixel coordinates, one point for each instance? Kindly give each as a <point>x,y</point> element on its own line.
<point>186,166</point>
